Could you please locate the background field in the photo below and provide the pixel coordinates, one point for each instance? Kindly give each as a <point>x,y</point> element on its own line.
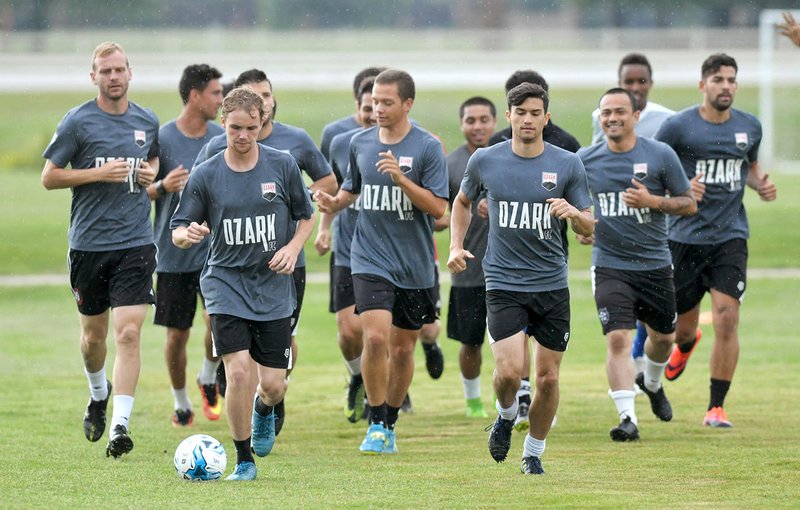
<point>443,461</point>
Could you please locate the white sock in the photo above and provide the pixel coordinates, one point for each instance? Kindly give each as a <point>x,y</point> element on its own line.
<point>181,399</point>
<point>652,373</point>
<point>208,374</point>
<point>472,387</point>
<point>353,365</point>
<point>638,363</point>
<point>123,405</point>
<point>533,447</point>
<point>524,388</point>
<point>97,384</point>
<point>624,400</point>
<point>509,413</point>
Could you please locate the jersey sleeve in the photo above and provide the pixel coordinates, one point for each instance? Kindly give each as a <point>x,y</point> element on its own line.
<point>65,144</point>
<point>667,133</point>
<point>752,154</point>
<point>300,207</point>
<point>576,193</point>
<point>434,177</point>
<point>312,161</point>
<point>675,179</point>
<point>352,178</point>
<point>192,206</point>
<point>471,183</point>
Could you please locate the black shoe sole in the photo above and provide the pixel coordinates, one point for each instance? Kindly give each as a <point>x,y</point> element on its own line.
<point>119,446</point>
<point>94,431</point>
<point>621,436</point>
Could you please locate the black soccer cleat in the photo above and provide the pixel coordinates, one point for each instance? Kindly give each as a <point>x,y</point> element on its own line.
<point>94,419</point>
<point>407,407</point>
<point>280,414</point>
<point>434,360</point>
<point>120,442</point>
<point>531,466</point>
<point>500,438</point>
<point>658,400</point>
<point>355,398</point>
<point>625,431</point>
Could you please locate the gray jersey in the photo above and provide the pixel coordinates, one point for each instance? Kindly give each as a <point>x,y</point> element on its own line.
<point>251,215</point>
<point>478,230</point>
<point>344,225</point>
<point>334,128</point>
<point>106,216</point>
<point>627,237</point>
<point>393,238</point>
<point>525,252</point>
<point>650,120</point>
<point>177,149</point>
<point>723,153</point>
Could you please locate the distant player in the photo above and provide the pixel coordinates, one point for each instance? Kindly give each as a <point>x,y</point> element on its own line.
<point>111,145</point>
<point>178,271</point>
<point>718,147</point>
<point>531,187</point>
<point>253,202</point>
<point>635,183</point>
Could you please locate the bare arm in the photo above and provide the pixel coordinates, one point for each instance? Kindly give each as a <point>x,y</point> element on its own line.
<point>333,204</point>
<point>327,184</point>
<point>422,198</point>
<point>760,182</point>
<point>323,241</point>
<point>460,217</point>
<point>186,237</point>
<point>679,205</point>
<point>174,182</point>
<point>56,177</point>
<point>582,222</point>
<point>284,260</point>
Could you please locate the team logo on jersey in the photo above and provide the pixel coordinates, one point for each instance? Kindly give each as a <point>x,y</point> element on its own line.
<point>741,140</point>
<point>268,191</point>
<point>406,163</point>
<point>140,137</point>
<point>640,170</point>
<point>549,180</point>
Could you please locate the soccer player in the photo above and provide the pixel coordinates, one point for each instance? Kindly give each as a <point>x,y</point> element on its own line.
<point>111,145</point>
<point>399,172</point>
<point>178,271</point>
<point>635,182</point>
<point>790,28</point>
<point>254,201</point>
<point>531,188</point>
<point>466,316</point>
<point>718,145</point>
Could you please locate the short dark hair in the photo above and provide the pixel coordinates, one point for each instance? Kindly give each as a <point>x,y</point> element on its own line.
<point>251,76</point>
<point>636,59</point>
<point>713,63</point>
<point>523,91</point>
<point>620,90</point>
<point>227,87</point>
<point>474,101</point>
<point>523,76</point>
<point>365,87</point>
<point>369,72</point>
<point>196,77</point>
<point>405,83</point>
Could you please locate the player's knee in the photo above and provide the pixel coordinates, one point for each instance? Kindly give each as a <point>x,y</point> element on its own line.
<point>547,381</point>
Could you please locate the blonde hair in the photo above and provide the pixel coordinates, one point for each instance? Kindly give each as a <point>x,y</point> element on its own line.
<point>243,98</point>
<point>107,48</point>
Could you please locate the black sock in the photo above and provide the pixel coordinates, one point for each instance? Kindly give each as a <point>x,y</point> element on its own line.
<point>428,347</point>
<point>719,389</point>
<point>356,379</point>
<point>243,453</point>
<point>262,408</point>
<point>527,379</point>
<point>378,414</point>
<point>391,416</point>
<point>685,348</point>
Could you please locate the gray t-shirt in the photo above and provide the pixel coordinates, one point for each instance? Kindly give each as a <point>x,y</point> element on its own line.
<point>251,215</point>
<point>393,238</point>
<point>650,120</point>
<point>625,237</point>
<point>478,230</point>
<point>106,216</point>
<point>344,224</point>
<point>334,128</point>
<point>723,153</point>
<point>177,149</point>
<point>525,252</point>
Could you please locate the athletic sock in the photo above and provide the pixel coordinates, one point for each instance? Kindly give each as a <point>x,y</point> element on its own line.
<point>533,447</point>
<point>208,372</point>
<point>97,384</point>
<point>719,389</point>
<point>378,414</point>
<point>653,371</point>
<point>181,399</point>
<point>472,387</point>
<point>391,416</point>
<point>263,409</point>
<point>123,406</point>
<point>428,347</point>
<point>509,413</point>
<point>353,366</point>
<point>624,400</point>
<point>243,453</point>
<point>685,348</point>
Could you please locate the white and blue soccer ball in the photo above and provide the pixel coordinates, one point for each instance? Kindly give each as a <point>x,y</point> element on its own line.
<point>200,458</point>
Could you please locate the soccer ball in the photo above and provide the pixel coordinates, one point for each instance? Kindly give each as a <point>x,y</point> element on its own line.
<point>200,457</point>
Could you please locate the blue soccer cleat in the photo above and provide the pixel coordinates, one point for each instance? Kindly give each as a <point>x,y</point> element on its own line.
<point>263,438</point>
<point>244,472</point>
<point>375,440</point>
<point>391,442</point>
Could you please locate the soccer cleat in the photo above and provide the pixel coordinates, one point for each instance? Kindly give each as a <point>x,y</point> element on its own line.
<point>354,400</point>
<point>475,408</point>
<point>182,418</point>
<point>531,466</point>
<point>391,442</point>
<point>625,431</point>
<point>280,417</point>
<point>658,400</point>
<point>717,417</point>
<point>374,441</point>
<point>263,438</point>
<point>678,360</point>
<point>521,423</point>
<point>94,419</point>
<point>434,360</point>
<point>244,472</point>
<point>500,438</point>
<point>119,443</point>
<point>407,407</point>
<point>212,407</point>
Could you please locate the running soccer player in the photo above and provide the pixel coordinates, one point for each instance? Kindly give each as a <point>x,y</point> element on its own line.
<point>399,172</point>
<point>252,200</point>
<point>718,148</point>
<point>635,182</point>
<point>111,145</point>
<point>531,187</point>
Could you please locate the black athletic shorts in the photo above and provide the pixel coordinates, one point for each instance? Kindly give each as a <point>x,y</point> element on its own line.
<point>701,267</point>
<point>343,295</point>
<point>624,296</point>
<point>176,299</point>
<point>100,279</point>
<point>331,282</point>
<point>411,308</point>
<point>269,342</point>
<point>543,315</point>
<point>299,277</point>
<point>466,315</point>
